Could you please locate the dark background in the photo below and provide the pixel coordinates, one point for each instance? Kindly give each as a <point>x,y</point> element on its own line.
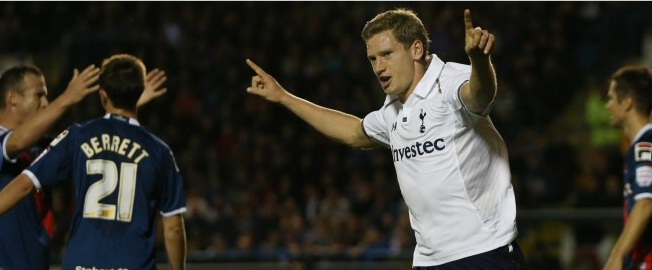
<point>263,185</point>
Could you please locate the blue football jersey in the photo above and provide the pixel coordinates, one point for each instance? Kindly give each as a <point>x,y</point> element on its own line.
<point>23,239</point>
<point>123,176</point>
<point>638,184</point>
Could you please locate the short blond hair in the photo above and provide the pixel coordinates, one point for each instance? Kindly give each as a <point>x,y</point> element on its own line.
<point>405,25</point>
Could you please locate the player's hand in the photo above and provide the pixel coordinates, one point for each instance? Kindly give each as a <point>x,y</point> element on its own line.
<point>479,43</point>
<point>81,85</point>
<point>153,82</point>
<point>264,84</point>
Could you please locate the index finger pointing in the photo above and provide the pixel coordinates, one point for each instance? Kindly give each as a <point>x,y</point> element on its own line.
<point>256,68</point>
<point>468,22</point>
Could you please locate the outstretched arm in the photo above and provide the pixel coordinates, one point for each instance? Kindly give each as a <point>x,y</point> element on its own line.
<point>480,91</point>
<point>342,127</point>
<point>29,132</point>
<point>15,191</point>
<point>153,81</point>
<point>175,241</point>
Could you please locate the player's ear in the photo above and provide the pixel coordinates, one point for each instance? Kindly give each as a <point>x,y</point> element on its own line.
<point>12,98</point>
<point>628,102</point>
<point>417,50</point>
<point>104,98</point>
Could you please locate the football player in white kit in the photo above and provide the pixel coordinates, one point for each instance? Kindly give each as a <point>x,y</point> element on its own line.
<point>451,163</point>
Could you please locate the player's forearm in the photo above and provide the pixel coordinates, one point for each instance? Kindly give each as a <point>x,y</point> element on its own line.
<point>15,191</point>
<point>482,84</point>
<point>32,130</point>
<point>175,242</point>
<point>637,223</point>
<point>342,127</point>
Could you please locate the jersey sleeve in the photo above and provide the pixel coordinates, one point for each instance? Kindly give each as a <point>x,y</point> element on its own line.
<point>374,126</point>
<point>53,164</point>
<point>453,77</point>
<point>171,198</point>
<point>642,184</point>
<point>3,140</point>
<point>451,80</point>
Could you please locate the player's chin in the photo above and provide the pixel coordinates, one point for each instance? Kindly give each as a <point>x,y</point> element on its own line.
<point>615,124</point>
<point>389,90</point>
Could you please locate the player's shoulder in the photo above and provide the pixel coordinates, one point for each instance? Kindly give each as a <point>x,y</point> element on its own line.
<point>71,131</point>
<point>77,129</point>
<point>437,64</point>
<point>155,139</point>
<point>646,136</point>
<point>84,126</point>
<point>642,147</point>
<point>452,69</point>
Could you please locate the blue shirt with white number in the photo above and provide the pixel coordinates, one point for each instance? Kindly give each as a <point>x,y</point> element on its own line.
<point>123,176</point>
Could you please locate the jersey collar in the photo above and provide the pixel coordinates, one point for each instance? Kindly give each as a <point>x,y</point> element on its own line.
<point>118,117</point>
<point>427,82</point>
<point>641,132</point>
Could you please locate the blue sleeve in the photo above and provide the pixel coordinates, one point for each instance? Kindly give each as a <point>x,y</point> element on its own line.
<point>171,198</point>
<point>53,165</point>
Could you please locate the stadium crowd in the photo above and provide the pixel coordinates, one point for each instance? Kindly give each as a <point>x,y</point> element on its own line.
<point>261,184</point>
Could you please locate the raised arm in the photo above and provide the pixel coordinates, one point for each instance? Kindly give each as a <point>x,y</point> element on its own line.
<point>480,91</point>
<point>342,127</point>
<point>29,132</point>
<point>175,241</point>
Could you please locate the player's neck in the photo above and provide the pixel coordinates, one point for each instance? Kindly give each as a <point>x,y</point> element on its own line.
<point>122,112</point>
<point>420,68</point>
<point>8,120</point>
<point>631,129</point>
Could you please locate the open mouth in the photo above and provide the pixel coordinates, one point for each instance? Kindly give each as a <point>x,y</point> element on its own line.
<point>385,81</point>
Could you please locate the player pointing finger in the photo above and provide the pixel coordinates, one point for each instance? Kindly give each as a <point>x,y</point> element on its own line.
<point>405,68</point>
<point>478,42</point>
<point>265,85</point>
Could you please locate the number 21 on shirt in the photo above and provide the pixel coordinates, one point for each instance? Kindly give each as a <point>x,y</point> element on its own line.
<point>111,179</point>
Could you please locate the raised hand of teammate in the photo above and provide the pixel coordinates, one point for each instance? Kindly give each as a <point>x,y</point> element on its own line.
<point>265,85</point>
<point>479,43</point>
<point>81,85</point>
<point>153,82</point>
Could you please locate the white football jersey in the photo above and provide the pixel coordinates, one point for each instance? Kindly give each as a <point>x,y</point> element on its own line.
<point>452,168</point>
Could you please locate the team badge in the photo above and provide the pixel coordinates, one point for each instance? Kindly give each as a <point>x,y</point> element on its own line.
<point>642,151</point>
<point>644,176</point>
<point>41,154</point>
<point>59,137</point>
<point>422,128</point>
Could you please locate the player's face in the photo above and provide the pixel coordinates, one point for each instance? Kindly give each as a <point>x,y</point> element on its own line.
<point>615,107</point>
<point>33,97</point>
<point>392,63</point>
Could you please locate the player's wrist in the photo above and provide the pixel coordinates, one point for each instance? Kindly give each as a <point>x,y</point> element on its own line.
<point>286,98</point>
